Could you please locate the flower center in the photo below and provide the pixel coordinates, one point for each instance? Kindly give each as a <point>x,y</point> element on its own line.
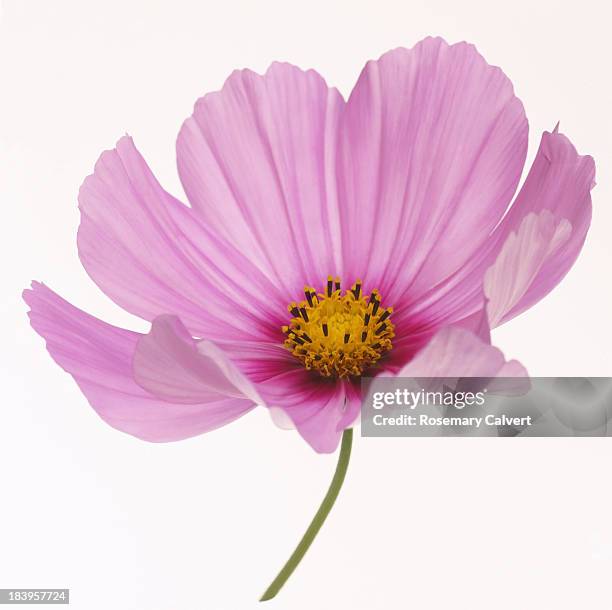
<point>336,334</point>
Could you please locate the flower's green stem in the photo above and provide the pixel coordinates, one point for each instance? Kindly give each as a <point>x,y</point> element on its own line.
<point>318,520</point>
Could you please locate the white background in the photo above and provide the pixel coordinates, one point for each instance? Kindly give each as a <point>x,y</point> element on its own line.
<point>206,523</point>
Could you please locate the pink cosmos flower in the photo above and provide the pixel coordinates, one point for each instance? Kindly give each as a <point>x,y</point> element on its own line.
<point>325,240</point>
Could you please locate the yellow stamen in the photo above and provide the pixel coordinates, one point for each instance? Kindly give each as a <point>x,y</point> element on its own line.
<point>339,335</point>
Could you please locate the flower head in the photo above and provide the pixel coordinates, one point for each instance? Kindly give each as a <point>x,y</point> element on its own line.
<point>325,240</point>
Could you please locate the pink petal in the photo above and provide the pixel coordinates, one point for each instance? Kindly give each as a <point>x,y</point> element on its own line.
<point>558,182</point>
<point>520,262</point>
<point>414,330</point>
<point>152,255</point>
<point>173,366</point>
<point>99,357</point>
<point>319,409</point>
<point>257,162</point>
<point>433,142</point>
<point>260,360</point>
<point>456,352</point>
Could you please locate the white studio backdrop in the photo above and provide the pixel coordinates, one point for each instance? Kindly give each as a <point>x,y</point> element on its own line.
<point>206,523</point>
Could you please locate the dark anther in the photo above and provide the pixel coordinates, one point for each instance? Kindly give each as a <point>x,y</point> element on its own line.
<point>347,336</point>
<point>325,329</point>
<point>381,328</point>
<point>384,315</point>
<point>304,314</point>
